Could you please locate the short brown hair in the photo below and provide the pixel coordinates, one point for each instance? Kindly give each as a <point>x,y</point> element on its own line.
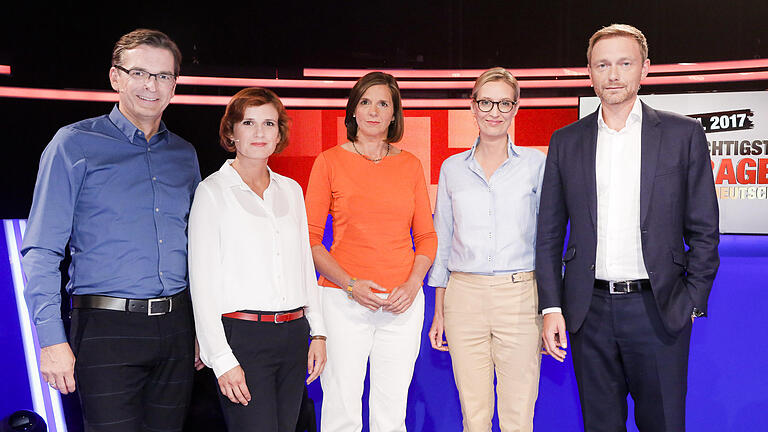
<point>496,74</point>
<point>395,131</point>
<point>235,112</point>
<point>153,38</point>
<point>619,30</point>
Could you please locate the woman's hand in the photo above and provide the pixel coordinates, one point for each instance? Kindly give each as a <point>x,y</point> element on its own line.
<point>232,385</point>
<point>401,298</point>
<point>316,359</point>
<point>436,333</point>
<point>361,293</point>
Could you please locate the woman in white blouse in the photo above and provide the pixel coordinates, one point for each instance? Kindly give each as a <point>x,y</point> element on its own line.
<point>252,279</point>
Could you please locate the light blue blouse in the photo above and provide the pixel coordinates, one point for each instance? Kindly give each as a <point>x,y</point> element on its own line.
<point>487,226</point>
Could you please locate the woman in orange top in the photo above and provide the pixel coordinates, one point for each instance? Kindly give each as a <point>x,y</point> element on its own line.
<point>373,305</point>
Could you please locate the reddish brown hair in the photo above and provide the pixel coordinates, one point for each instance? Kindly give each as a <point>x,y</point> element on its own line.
<point>248,97</point>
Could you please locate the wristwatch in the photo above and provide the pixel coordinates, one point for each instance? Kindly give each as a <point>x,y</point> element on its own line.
<point>697,313</point>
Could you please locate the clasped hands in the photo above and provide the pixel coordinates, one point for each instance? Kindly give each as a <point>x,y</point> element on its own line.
<point>399,300</point>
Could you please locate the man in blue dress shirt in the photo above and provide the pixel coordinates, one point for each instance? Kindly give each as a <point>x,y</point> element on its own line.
<point>117,190</point>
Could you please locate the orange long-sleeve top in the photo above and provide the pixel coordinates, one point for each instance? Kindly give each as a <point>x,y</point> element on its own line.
<point>375,207</point>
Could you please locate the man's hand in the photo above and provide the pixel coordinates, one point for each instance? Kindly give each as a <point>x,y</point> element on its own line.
<point>436,334</point>
<point>316,359</point>
<point>198,363</point>
<point>361,293</point>
<point>553,335</point>
<point>401,298</point>
<point>232,385</point>
<point>57,365</point>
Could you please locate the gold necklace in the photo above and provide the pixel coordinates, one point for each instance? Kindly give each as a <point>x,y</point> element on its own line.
<point>372,160</point>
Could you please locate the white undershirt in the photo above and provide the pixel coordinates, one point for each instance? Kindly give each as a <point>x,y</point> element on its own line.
<point>619,248</point>
<point>617,169</point>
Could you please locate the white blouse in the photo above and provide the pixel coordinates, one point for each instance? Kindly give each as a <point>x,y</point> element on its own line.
<point>247,253</point>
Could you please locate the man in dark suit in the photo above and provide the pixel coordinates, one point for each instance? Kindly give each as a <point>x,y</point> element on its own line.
<point>636,186</point>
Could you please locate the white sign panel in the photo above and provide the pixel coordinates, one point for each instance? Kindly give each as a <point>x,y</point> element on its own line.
<point>736,125</point>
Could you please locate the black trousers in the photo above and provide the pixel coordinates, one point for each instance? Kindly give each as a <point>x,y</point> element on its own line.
<point>274,360</point>
<point>623,348</point>
<point>133,372</point>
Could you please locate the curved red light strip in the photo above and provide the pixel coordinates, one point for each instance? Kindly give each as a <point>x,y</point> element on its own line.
<point>96,96</point>
<point>535,72</point>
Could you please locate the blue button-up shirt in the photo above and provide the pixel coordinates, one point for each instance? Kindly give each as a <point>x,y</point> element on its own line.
<point>121,202</point>
<point>487,226</point>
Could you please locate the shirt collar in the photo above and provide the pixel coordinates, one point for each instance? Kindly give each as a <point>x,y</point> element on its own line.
<point>232,178</point>
<point>635,116</point>
<point>511,149</point>
<point>129,129</point>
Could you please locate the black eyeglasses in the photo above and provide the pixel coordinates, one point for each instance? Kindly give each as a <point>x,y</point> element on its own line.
<point>504,106</point>
<point>144,76</point>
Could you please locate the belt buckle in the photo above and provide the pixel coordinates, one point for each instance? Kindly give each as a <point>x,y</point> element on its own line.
<point>612,288</point>
<point>150,302</point>
<point>279,315</point>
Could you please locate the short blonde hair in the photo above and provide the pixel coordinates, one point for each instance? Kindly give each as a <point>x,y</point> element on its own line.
<point>496,74</point>
<point>619,30</point>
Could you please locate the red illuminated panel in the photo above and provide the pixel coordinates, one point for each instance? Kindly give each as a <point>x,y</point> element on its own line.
<point>5,70</point>
<point>533,128</point>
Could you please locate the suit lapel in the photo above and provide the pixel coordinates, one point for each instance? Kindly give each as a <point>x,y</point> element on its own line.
<point>650,146</point>
<point>589,155</point>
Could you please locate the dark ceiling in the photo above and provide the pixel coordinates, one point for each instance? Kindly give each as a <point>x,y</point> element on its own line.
<point>67,45</point>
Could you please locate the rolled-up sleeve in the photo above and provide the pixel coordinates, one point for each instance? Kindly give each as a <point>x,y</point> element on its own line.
<point>438,275</point>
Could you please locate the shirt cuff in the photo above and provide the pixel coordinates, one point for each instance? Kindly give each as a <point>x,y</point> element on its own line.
<point>438,277</point>
<point>51,333</point>
<point>224,364</point>
<point>550,310</point>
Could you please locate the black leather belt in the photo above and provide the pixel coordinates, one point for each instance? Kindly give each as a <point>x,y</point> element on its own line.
<point>153,306</point>
<point>623,287</point>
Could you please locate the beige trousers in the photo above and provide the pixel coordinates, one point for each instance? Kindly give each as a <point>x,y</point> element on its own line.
<point>492,325</point>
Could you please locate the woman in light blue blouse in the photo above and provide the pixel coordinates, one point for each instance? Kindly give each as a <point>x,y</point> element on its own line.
<point>485,298</point>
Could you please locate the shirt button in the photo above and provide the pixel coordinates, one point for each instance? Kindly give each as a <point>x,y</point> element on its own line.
<point>149,149</point>
<point>154,178</point>
<point>489,258</point>
<point>161,273</point>
<point>161,240</point>
<point>157,209</point>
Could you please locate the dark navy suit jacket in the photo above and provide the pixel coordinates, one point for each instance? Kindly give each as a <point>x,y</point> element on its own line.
<point>678,207</point>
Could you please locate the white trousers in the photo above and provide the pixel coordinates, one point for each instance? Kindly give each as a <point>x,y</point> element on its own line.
<point>356,336</point>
